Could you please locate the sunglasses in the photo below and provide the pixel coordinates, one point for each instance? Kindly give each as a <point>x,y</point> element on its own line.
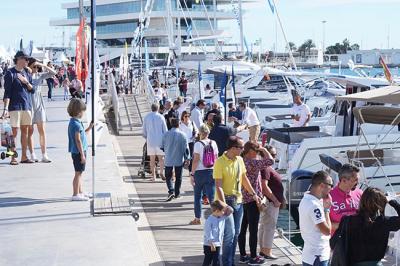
<point>186,116</point>
<point>273,154</point>
<point>239,147</point>
<point>35,67</point>
<point>328,184</point>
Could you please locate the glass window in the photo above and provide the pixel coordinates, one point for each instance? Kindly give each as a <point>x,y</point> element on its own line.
<point>116,28</point>
<point>107,10</point>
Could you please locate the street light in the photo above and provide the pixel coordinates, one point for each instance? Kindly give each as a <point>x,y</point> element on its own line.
<point>323,38</point>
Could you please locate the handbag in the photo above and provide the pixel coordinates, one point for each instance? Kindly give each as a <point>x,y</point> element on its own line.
<point>340,244</point>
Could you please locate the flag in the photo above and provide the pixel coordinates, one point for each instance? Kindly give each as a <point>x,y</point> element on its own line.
<point>271,5</point>
<point>386,70</point>
<point>189,31</point>
<point>233,89</point>
<point>21,45</point>
<point>247,47</point>
<point>29,49</point>
<point>78,51</point>
<point>146,56</point>
<point>222,93</point>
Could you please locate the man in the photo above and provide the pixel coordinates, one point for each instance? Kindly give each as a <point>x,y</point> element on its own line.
<point>315,223</point>
<point>345,196</point>
<point>183,84</point>
<point>175,146</point>
<point>17,101</point>
<point>230,178</point>
<point>250,120</point>
<point>154,127</point>
<point>272,187</point>
<point>234,115</point>
<point>301,114</point>
<point>220,133</point>
<point>172,113</point>
<point>214,110</point>
<point>184,104</point>
<point>198,113</point>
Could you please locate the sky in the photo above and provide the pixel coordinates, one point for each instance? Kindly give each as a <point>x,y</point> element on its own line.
<point>366,22</point>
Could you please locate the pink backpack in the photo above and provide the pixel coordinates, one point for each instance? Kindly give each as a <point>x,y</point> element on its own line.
<point>208,154</point>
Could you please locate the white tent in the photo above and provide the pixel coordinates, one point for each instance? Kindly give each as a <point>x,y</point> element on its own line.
<point>388,94</point>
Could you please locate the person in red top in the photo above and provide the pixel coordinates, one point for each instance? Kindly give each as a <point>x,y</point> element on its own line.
<point>183,85</point>
<point>345,196</point>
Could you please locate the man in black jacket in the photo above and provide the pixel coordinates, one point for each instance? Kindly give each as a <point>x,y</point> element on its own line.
<point>220,134</point>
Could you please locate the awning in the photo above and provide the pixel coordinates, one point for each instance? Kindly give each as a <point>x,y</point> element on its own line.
<point>388,94</point>
<point>382,115</point>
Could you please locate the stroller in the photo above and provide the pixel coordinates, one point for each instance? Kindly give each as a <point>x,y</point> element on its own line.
<point>7,140</point>
<point>145,164</point>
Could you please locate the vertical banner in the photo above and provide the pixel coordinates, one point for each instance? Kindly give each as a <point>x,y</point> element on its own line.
<point>233,89</point>
<point>201,94</point>
<point>78,51</point>
<point>222,93</point>
<point>146,56</point>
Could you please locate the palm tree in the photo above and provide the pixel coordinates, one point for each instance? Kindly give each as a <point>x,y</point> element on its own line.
<point>292,46</point>
<point>308,45</point>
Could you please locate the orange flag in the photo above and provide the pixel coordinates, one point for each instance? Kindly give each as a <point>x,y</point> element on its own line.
<point>386,70</point>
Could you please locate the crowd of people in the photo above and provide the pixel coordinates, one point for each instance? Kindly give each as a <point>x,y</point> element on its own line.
<point>245,191</point>
<point>236,177</point>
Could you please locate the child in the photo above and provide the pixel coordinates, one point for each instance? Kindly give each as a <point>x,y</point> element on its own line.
<point>66,85</point>
<point>77,145</point>
<point>214,232</point>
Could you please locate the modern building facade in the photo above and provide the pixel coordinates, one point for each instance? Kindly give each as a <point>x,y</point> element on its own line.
<point>118,19</point>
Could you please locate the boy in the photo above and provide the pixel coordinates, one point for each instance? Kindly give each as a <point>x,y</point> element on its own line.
<point>77,145</point>
<point>214,231</point>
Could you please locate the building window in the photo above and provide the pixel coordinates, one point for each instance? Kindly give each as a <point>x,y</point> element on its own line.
<point>108,10</point>
<point>116,28</point>
<point>358,58</point>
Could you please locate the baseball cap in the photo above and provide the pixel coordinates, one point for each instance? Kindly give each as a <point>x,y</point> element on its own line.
<point>21,54</point>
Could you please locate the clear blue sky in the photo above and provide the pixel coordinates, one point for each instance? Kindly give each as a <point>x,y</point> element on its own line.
<point>366,22</point>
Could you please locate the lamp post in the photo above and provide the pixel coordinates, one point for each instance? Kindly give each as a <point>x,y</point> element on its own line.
<point>323,39</point>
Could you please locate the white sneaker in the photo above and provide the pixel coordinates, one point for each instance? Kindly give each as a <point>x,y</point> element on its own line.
<point>87,195</point>
<point>34,158</point>
<point>79,198</point>
<point>46,159</point>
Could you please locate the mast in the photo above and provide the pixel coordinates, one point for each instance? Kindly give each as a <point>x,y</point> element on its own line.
<point>241,27</point>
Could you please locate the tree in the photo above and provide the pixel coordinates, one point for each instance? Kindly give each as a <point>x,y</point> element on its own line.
<point>302,49</point>
<point>346,46</point>
<point>309,44</point>
<point>355,47</point>
<point>292,46</point>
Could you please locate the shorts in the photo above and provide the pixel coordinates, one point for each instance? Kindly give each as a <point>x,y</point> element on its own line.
<point>154,151</point>
<point>20,118</point>
<point>39,116</point>
<point>76,159</point>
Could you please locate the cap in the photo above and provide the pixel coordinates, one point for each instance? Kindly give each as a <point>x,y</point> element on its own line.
<point>21,54</point>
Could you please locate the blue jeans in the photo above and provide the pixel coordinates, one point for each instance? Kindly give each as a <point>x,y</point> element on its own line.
<point>231,233</point>
<point>50,85</point>
<point>178,179</point>
<point>317,262</point>
<point>204,181</point>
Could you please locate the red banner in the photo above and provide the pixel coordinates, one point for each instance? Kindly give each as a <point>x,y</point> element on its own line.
<point>78,52</point>
<point>386,70</point>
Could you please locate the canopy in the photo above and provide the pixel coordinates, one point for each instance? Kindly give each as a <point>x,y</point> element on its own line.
<point>382,115</point>
<point>388,94</point>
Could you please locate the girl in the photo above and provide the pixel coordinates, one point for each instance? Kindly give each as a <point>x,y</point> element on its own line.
<point>65,85</point>
<point>190,130</point>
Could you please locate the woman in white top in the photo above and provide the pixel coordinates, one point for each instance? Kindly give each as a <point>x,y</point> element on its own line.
<point>202,177</point>
<point>190,130</point>
<point>38,109</point>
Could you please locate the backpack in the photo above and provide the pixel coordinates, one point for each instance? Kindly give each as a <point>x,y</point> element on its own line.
<point>208,155</point>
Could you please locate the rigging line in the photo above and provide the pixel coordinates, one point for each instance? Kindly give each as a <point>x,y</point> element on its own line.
<point>195,29</point>
<point>193,22</point>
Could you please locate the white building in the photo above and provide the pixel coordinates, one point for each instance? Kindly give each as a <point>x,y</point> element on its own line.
<point>371,57</point>
<point>118,19</point>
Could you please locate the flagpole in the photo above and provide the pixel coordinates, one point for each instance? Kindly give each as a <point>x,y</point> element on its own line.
<point>93,81</point>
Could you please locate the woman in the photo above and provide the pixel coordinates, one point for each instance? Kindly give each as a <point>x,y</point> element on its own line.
<point>251,214</point>
<point>190,130</point>
<point>273,189</point>
<point>202,177</point>
<point>50,82</point>
<point>75,88</point>
<point>38,109</point>
<point>368,231</point>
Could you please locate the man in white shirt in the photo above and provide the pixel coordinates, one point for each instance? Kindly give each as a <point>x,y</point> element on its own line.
<point>154,127</point>
<point>198,113</point>
<point>250,120</point>
<point>301,114</point>
<point>315,223</point>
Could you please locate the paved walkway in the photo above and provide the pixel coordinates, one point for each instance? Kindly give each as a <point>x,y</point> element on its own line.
<point>39,225</point>
<point>178,242</point>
